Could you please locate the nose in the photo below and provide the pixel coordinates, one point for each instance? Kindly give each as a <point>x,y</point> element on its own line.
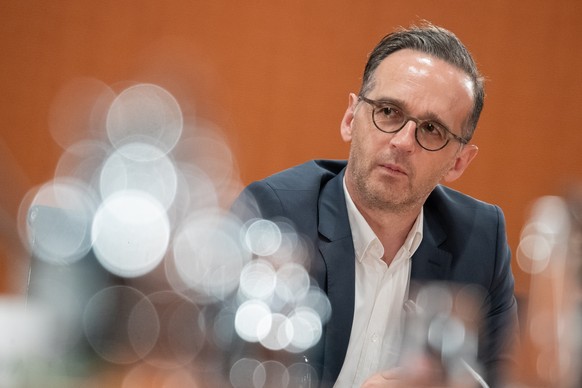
<point>405,139</point>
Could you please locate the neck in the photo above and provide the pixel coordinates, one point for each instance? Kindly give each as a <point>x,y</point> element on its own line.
<point>390,222</point>
<point>390,227</point>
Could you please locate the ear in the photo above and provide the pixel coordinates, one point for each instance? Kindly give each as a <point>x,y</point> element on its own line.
<point>348,119</point>
<point>461,162</point>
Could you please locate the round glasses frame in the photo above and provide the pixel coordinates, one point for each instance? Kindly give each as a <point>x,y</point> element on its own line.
<point>376,105</point>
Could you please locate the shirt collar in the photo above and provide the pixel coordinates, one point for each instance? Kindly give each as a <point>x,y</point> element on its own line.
<point>364,237</point>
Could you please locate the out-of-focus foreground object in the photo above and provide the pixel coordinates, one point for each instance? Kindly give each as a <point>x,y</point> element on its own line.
<point>550,250</point>
<point>139,274</point>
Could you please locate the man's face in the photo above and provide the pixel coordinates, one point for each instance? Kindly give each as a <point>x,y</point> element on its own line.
<point>391,171</point>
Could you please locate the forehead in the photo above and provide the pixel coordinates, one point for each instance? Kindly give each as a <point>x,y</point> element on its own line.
<point>425,84</point>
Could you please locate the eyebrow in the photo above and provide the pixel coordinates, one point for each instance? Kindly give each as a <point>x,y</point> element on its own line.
<point>427,116</point>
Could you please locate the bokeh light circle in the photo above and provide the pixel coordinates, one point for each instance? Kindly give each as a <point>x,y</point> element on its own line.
<point>307,329</point>
<point>533,253</point>
<point>242,373</point>
<point>130,233</point>
<point>316,300</point>
<point>258,280</point>
<point>302,375</point>
<point>272,374</point>
<point>275,331</point>
<point>145,113</point>
<point>109,319</point>
<point>263,237</point>
<point>181,336</point>
<point>58,221</point>
<point>207,255</point>
<point>292,282</point>
<point>140,166</point>
<point>253,320</point>
<point>83,161</point>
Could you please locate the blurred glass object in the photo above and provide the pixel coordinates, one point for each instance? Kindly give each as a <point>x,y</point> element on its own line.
<point>440,336</point>
<point>551,251</point>
<point>138,267</point>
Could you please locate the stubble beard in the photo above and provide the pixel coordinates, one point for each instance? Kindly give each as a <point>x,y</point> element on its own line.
<point>379,194</point>
<point>383,197</point>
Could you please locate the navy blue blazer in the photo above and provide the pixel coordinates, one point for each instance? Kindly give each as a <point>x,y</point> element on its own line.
<point>464,242</point>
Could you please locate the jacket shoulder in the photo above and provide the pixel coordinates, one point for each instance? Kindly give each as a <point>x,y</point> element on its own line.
<point>447,200</point>
<point>463,217</point>
<point>292,193</point>
<point>307,176</point>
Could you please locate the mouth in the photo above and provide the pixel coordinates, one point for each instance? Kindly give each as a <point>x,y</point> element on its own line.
<point>394,169</point>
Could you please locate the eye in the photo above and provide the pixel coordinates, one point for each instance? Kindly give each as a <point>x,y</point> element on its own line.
<point>433,129</point>
<point>388,112</point>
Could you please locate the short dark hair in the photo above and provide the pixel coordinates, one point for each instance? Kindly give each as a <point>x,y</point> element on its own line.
<point>435,41</point>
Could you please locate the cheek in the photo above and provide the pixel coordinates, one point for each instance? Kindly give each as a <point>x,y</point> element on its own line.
<point>357,151</point>
<point>440,170</point>
<point>365,150</point>
<point>432,169</point>
<point>367,142</point>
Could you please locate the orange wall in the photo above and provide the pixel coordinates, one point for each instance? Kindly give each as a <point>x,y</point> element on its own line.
<point>275,76</point>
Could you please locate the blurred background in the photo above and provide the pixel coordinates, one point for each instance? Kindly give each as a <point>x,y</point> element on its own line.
<point>273,77</point>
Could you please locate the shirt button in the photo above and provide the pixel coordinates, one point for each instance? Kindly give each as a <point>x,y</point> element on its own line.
<point>375,338</point>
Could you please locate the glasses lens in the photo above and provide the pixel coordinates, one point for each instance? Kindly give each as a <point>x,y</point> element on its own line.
<point>388,118</point>
<point>432,136</point>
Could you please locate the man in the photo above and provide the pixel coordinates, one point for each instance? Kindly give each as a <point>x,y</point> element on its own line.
<point>383,221</point>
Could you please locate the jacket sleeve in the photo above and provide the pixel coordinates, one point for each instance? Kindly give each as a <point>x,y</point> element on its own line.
<point>500,333</point>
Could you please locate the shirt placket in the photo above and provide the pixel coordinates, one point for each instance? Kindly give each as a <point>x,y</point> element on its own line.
<point>376,326</point>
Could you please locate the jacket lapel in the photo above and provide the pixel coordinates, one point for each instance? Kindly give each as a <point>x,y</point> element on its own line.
<point>431,261</point>
<point>337,249</point>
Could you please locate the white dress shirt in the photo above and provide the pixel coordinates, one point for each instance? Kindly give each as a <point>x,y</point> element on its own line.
<point>381,291</point>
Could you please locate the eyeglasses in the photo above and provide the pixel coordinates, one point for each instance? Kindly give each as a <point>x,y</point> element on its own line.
<point>430,135</point>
